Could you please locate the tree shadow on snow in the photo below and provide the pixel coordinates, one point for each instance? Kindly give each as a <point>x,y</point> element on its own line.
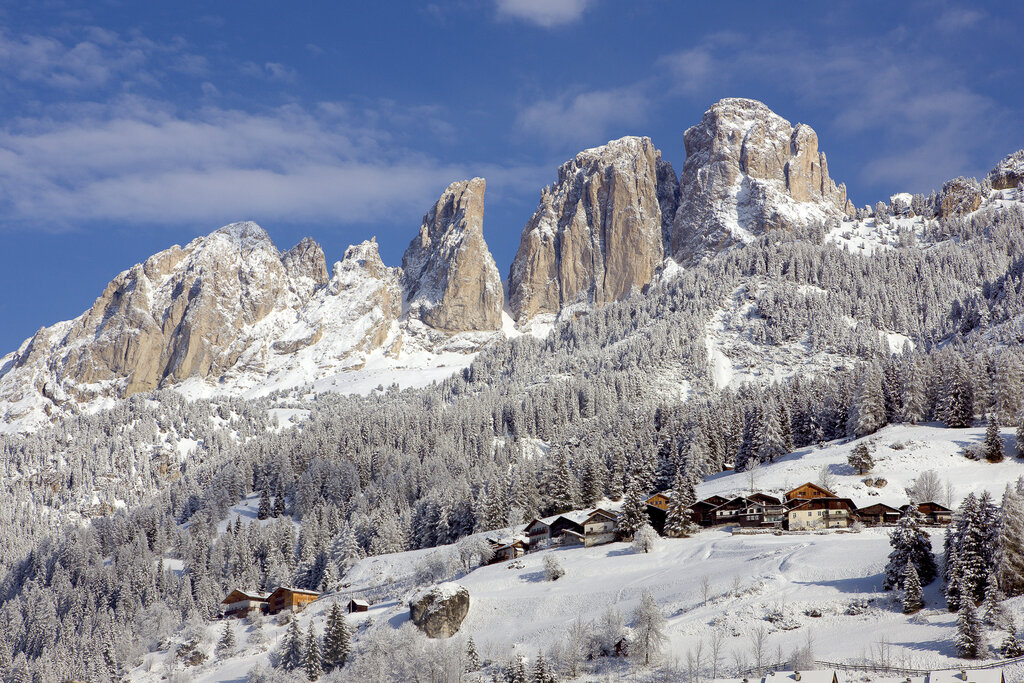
<point>853,584</point>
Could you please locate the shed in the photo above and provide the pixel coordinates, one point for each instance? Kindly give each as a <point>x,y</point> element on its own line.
<point>357,605</point>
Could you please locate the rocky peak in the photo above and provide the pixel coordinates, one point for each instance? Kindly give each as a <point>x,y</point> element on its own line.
<point>747,170</point>
<point>306,266</point>
<point>451,281</point>
<point>1008,173</point>
<point>597,234</point>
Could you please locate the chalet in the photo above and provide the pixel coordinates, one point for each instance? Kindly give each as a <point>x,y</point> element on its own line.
<point>599,527</point>
<point>774,510</point>
<point>660,500</point>
<point>239,603</point>
<point>538,531</point>
<point>878,514</point>
<point>508,548</point>
<point>730,511</point>
<point>580,527</point>
<point>702,510</point>
<point>808,491</point>
<point>356,605</point>
<point>822,513</point>
<point>934,514</point>
<point>295,599</point>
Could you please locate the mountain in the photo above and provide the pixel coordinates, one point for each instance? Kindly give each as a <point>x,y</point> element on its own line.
<point>597,235</point>
<point>748,171</point>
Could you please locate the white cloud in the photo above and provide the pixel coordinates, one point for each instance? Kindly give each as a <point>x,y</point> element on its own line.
<point>545,13</point>
<point>585,118</point>
<point>139,161</point>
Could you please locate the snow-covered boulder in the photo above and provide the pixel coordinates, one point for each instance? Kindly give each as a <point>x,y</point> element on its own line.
<point>1009,172</point>
<point>439,611</point>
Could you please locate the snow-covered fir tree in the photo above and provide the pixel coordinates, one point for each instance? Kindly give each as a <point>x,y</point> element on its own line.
<point>913,594</point>
<point>910,543</point>
<point>860,459</point>
<point>337,639</point>
<point>993,446</point>
<point>679,516</point>
<point>634,511</point>
<point>1010,543</point>
<point>293,648</point>
<point>969,639</point>
<point>227,638</point>
<point>312,660</point>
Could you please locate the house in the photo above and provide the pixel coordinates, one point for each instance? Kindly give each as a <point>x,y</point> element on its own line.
<point>821,513</point>
<point>508,548</point>
<point>599,527</point>
<point>774,510</point>
<point>730,511</point>
<point>878,514</point>
<point>934,513</point>
<point>239,603</point>
<point>295,599</point>
<point>356,605</point>
<point>580,527</point>
<point>808,491</point>
<point>660,500</point>
<point>538,531</point>
<point>702,510</point>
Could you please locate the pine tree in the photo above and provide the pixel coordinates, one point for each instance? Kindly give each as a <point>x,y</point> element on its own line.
<point>312,662</point>
<point>634,512</point>
<point>860,459</point>
<point>279,506</point>
<point>265,509</point>
<point>869,405</point>
<point>472,656</point>
<point>913,595</point>
<point>337,639</point>
<point>1011,647</point>
<point>992,611</point>
<point>515,671</point>
<point>1019,437</point>
<point>541,671</point>
<point>993,447</point>
<point>1010,544</point>
<point>770,442</point>
<point>910,543</point>
<point>968,640</point>
<point>957,408</point>
<point>227,638</point>
<point>679,517</point>
<point>292,652</point>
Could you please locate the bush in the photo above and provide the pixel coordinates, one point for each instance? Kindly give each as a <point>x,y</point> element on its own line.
<point>552,568</point>
<point>646,539</point>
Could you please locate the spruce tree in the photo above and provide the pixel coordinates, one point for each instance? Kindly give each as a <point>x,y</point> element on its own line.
<point>769,438</point>
<point>969,634</point>
<point>312,662</point>
<point>913,595</point>
<point>869,405</point>
<point>1010,544</point>
<point>860,459</point>
<point>1020,437</point>
<point>634,512</point>
<point>227,638</point>
<point>1011,647</point>
<point>293,650</point>
<point>265,509</point>
<point>337,639</point>
<point>472,656</point>
<point>279,506</point>
<point>909,543</point>
<point>679,517</point>
<point>992,611</point>
<point>993,448</point>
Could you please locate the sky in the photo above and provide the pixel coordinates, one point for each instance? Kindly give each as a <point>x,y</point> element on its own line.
<point>127,127</point>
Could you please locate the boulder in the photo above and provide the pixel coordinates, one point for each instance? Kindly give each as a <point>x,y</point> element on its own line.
<point>439,611</point>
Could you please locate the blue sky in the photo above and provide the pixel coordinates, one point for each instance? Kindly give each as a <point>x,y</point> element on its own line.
<point>126,127</point>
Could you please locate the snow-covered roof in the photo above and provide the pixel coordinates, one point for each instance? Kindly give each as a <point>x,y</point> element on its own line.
<point>813,676</point>
<point>247,595</point>
<point>967,676</point>
<point>293,589</point>
<point>361,603</point>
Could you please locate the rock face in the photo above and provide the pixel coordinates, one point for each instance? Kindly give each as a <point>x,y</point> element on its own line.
<point>451,281</point>
<point>1009,173</point>
<point>598,234</point>
<point>180,313</point>
<point>439,611</point>
<point>748,171</point>
<point>959,196</point>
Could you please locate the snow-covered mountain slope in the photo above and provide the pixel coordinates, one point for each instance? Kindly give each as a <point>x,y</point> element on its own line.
<point>819,588</point>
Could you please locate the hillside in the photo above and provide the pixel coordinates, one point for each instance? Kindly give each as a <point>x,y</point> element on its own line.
<point>823,589</point>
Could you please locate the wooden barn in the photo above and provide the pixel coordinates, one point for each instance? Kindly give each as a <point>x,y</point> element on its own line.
<point>878,514</point>
<point>357,605</point>
<point>239,603</point>
<point>934,514</point>
<point>295,599</point>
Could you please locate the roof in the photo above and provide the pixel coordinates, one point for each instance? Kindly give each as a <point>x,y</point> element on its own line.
<point>813,676</point>
<point>601,512</point>
<point>765,498</point>
<point>824,504</point>
<point>972,676</point>
<point>813,486</point>
<point>361,603</point>
<point>293,589</point>
<point>936,507</point>
<point>245,595</point>
<point>879,507</point>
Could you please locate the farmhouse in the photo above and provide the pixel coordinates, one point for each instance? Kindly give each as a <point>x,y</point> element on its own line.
<point>702,510</point>
<point>580,527</point>
<point>808,491</point>
<point>822,513</point>
<point>934,513</point>
<point>877,514</point>
<point>508,548</point>
<point>239,603</point>
<point>295,599</point>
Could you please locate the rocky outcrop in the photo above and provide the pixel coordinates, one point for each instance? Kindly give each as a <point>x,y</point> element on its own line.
<point>439,611</point>
<point>1008,173</point>
<point>451,281</point>
<point>598,234</point>
<point>748,171</point>
<point>959,196</point>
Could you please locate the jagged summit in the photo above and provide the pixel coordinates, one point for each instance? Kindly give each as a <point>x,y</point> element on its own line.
<point>747,171</point>
<point>597,234</point>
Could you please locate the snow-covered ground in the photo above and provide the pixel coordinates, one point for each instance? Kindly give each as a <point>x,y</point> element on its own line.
<point>826,588</point>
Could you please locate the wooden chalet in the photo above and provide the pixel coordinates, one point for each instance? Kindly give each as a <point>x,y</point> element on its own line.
<point>702,510</point>
<point>239,603</point>
<point>508,548</point>
<point>580,527</point>
<point>821,513</point>
<point>773,509</point>
<point>878,514</point>
<point>286,597</point>
<point>730,511</point>
<point>357,605</point>
<point>808,491</point>
<point>935,514</point>
<point>538,531</point>
<point>660,500</point>
<point>599,527</point>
